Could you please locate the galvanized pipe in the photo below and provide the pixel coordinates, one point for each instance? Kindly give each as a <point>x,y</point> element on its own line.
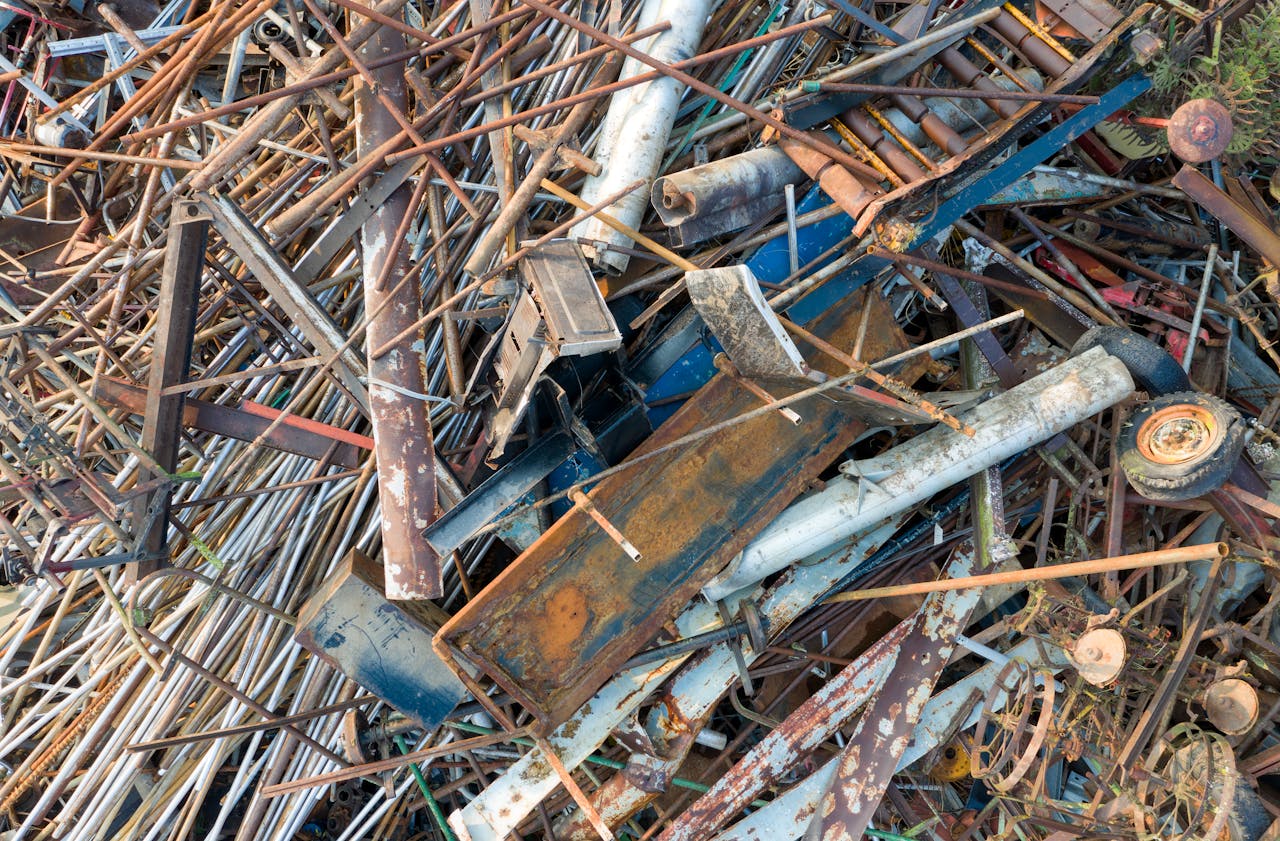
<point>634,134</point>
<point>873,489</point>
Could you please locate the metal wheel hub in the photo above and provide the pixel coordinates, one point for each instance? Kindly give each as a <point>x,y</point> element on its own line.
<point>1177,435</point>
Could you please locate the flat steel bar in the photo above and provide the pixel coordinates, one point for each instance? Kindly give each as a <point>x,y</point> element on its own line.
<point>170,363</point>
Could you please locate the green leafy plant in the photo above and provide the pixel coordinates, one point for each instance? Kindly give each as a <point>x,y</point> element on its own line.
<point>1240,68</point>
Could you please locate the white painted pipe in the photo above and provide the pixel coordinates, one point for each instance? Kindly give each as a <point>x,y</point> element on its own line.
<point>633,136</point>
<point>872,489</point>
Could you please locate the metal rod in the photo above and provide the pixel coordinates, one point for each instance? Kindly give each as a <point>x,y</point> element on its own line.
<point>1180,555</point>
<point>949,93</point>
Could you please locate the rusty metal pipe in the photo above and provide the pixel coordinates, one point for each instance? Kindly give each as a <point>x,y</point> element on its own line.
<point>967,73</point>
<point>634,132</point>
<point>551,69</point>
<point>318,78</point>
<point>514,208</point>
<point>721,185</point>
<point>1029,44</point>
<point>943,268</point>
<point>750,111</point>
<point>264,122</point>
<point>846,189</point>
<point>1033,271</point>
<point>944,136</point>
<point>401,426</point>
<point>878,142</point>
<point>1138,560</point>
<point>333,190</point>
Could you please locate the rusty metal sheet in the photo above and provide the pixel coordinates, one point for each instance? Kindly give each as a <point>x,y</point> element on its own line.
<point>578,322</point>
<point>1091,18</point>
<point>568,612</point>
<point>1242,221</point>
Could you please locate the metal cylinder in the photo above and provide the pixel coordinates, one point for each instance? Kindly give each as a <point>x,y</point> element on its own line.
<point>840,184</point>
<point>1037,52</point>
<point>721,186</point>
<point>970,75</point>
<point>865,129</point>
<point>931,462</point>
<point>634,133</point>
<point>943,136</point>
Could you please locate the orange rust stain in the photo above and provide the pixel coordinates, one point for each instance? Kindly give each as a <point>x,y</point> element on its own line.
<point>565,616</point>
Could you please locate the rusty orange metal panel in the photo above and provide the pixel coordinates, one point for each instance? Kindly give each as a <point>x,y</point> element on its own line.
<point>565,616</point>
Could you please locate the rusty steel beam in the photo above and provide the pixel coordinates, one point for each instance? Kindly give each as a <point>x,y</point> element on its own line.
<point>343,448</point>
<point>170,363</point>
<point>1242,221</point>
<point>883,732</point>
<point>401,427</point>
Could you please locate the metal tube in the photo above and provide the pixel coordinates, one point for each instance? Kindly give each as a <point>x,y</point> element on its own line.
<point>954,93</point>
<point>634,133</point>
<point>950,32</point>
<point>872,489</point>
<point>401,429</point>
<point>1177,555</point>
<point>1199,313</point>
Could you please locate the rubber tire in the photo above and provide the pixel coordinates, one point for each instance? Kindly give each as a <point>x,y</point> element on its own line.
<point>1152,368</point>
<point>1191,479</point>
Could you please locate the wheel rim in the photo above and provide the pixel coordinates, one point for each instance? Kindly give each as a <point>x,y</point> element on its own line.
<point>1020,727</point>
<point>1178,434</point>
<point>1188,789</point>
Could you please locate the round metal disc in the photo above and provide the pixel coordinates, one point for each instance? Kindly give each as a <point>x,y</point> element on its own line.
<point>1099,655</point>
<point>755,628</point>
<point>1199,130</point>
<point>1232,706</point>
<point>952,764</point>
<point>354,724</point>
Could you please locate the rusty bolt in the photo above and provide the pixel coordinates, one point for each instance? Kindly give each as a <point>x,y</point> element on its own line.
<point>1203,129</point>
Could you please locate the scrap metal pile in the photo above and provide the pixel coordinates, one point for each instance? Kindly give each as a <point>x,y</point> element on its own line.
<point>657,419</point>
